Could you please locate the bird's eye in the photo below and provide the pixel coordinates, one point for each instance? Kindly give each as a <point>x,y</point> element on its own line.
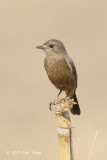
<point>51,46</point>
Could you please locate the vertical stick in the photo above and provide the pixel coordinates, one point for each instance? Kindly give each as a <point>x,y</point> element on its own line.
<point>63,123</point>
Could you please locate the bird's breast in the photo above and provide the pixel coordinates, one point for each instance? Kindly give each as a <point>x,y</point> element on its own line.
<point>59,72</point>
<point>53,66</point>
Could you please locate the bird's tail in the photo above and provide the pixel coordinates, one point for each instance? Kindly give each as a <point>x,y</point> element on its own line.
<point>75,109</point>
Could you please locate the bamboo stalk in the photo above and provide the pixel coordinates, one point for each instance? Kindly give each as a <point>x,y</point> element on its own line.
<point>63,122</point>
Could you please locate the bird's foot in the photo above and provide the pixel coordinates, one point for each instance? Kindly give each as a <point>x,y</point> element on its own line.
<point>62,105</point>
<point>57,101</point>
<point>66,102</point>
<point>51,105</point>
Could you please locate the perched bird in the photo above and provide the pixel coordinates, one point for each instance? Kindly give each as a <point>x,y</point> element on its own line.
<point>61,70</point>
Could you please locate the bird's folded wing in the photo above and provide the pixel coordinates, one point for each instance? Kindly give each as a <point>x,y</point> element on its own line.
<point>72,68</point>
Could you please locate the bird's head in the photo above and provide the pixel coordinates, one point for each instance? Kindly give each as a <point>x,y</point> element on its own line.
<point>53,47</point>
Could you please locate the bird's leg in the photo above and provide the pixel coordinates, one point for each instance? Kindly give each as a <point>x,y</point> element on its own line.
<point>68,93</point>
<point>50,104</point>
<point>59,93</point>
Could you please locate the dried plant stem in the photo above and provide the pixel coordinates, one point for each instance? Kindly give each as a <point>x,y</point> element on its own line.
<point>63,122</point>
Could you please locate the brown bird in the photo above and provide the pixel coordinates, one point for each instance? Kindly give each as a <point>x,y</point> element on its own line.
<point>61,70</point>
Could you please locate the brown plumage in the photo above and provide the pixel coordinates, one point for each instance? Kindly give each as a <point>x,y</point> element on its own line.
<point>61,70</point>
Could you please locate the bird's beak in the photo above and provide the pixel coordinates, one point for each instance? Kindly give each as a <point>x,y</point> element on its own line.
<point>40,47</point>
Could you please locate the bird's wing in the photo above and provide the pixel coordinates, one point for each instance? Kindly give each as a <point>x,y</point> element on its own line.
<point>72,67</point>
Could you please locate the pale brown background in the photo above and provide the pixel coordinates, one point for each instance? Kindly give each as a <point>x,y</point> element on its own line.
<point>26,124</point>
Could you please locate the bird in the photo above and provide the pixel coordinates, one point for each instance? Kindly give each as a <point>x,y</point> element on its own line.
<point>61,70</point>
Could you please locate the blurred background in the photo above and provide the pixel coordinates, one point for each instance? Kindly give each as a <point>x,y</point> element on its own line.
<point>26,123</point>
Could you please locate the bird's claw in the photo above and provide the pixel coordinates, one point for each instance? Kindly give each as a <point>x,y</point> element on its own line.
<point>50,106</point>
